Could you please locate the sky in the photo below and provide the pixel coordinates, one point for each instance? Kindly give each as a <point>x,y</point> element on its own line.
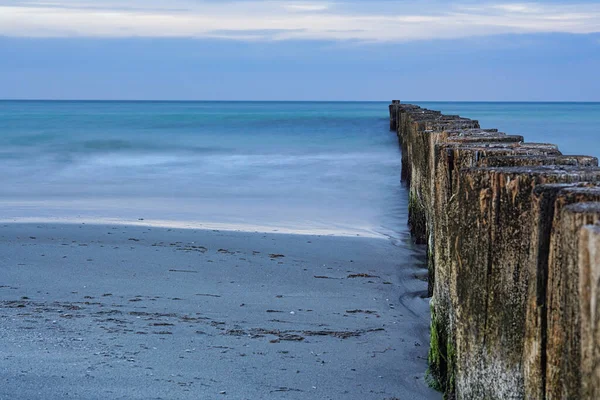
<point>300,50</point>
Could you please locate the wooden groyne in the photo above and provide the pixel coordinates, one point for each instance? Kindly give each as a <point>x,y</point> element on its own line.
<point>513,236</point>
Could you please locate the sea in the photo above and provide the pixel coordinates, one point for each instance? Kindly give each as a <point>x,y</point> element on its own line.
<point>329,168</point>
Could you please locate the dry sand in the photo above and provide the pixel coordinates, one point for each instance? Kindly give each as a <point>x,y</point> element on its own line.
<point>129,312</point>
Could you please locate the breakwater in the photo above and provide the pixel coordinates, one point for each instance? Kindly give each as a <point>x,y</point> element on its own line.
<point>513,236</point>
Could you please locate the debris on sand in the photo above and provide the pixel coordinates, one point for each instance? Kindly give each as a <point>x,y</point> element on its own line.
<point>296,336</point>
<point>286,389</point>
<point>200,249</point>
<point>236,332</point>
<point>289,337</point>
<point>362,276</point>
<point>342,334</point>
<point>183,270</point>
<point>361,312</point>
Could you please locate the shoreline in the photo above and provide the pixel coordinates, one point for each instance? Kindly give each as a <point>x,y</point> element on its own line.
<point>201,225</point>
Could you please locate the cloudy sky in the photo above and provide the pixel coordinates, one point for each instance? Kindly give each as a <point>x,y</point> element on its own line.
<point>321,50</point>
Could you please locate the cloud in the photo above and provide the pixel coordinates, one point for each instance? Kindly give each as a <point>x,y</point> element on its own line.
<point>381,21</point>
<point>516,8</point>
<point>307,7</point>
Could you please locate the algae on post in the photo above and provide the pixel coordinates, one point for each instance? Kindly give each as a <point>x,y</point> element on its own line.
<point>442,356</point>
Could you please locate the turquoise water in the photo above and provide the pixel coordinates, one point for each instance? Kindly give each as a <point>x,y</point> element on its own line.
<point>313,167</point>
<point>331,167</point>
<point>575,127</point>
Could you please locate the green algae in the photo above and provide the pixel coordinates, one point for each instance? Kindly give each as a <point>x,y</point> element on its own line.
<point>442,358</point>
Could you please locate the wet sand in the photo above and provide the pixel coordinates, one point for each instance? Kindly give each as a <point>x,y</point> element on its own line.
<point>110,312</point>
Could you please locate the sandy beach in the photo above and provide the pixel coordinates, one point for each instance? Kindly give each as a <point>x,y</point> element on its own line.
<point>110,312</point>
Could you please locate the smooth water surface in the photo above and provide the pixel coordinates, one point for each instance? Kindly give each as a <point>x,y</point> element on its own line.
<point>310,167</point>
<point>288,166</point>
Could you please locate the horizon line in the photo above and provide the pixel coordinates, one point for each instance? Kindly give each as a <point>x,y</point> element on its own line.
<point>291,101</point>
